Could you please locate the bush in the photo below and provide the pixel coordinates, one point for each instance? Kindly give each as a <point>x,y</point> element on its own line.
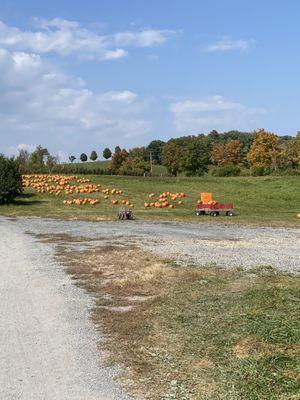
<point>10,180</point>
<point>227,170</point>
<point>259,171</point>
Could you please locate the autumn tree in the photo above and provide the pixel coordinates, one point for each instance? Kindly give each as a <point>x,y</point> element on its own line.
<point>118,158</point>
<point>93,155</point>
<point>229,153</point>
<point>292,152</point>
<point>107,153</point>
<point>265,153</point>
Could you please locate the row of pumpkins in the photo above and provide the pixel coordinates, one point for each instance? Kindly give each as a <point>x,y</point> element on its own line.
<point>164,200</point>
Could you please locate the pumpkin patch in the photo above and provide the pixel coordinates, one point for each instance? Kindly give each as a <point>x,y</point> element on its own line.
<point>66,186</point>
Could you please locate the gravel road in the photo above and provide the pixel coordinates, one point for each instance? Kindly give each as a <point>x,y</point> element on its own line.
<point>48,345</point>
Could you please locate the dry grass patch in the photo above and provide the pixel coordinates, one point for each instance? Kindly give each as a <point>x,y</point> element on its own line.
<point>192,332</point>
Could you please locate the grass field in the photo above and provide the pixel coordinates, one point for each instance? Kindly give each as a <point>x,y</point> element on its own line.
<point>260,200</point>
<point>193,332</point>
<point>94,165</point>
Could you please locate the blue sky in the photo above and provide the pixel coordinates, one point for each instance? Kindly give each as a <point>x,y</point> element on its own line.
<point>76,76</point>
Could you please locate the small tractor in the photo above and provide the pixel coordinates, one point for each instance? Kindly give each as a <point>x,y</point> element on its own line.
<point>125,213</point>
<point>207,206</point>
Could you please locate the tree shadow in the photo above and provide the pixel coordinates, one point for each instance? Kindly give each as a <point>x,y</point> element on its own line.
<point>25,199</point>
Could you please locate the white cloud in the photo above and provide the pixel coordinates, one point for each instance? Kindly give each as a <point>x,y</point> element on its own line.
<point>215,112</point>
<point>41,104</point>
<point>114,54</point>
<point>145,38</point>
<point>228,44</point>
<point>65,37</point>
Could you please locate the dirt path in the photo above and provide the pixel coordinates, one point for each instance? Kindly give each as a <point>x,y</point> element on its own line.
<point>47,343</point>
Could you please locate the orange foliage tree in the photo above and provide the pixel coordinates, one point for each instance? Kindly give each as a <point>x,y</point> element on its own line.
<point>265,154</point>
<point>229,153</point>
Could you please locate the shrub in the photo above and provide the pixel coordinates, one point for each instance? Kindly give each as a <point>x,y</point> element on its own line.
<point>10,180</point>
<point>227,170</point>
<point>259,170</point>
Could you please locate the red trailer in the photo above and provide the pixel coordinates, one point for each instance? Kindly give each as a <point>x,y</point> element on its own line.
<point>214,209</point>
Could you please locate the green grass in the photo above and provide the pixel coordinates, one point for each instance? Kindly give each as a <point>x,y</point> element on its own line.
<point>158,170</point>
<point>259,200</point>
<point>88,164</point>
<point>200,332</point>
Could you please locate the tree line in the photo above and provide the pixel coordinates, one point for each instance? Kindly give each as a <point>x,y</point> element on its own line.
<point>225,154</point>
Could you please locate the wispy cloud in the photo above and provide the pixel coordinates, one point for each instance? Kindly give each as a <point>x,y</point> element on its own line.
<point>229,44</point>
<point>66,37</point>
<point>214,112</point>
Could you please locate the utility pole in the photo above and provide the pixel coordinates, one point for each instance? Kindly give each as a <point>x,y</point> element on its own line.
<point>151,162</point>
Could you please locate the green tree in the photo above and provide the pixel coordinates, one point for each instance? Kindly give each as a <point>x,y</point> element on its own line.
<point>173,157</point>
<point>156,149</point>
<point>107,153</point>
<point>51,162</point>
<point>23,158</point>
<point>139,152</point>
<point>93,155</point>
<point>213,137</point>
<point>83,157</point>
<point>134,166</point>
<point>197,157</point>
<point>10,180</point>
<point>38,158</point>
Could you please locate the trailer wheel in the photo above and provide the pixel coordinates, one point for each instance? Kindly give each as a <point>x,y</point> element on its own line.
<point>229,213</point>
<point>213,213</point>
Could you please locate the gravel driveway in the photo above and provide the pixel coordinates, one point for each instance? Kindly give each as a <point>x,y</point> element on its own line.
<point>48,344</point>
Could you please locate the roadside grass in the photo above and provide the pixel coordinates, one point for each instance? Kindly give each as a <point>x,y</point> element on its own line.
<point>271,200</point>
<point>193,332</point>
